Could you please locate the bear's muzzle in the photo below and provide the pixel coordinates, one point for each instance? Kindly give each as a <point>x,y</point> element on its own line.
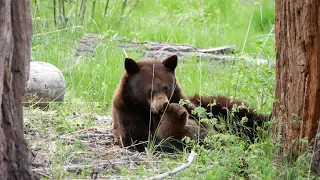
<point>158,102</point>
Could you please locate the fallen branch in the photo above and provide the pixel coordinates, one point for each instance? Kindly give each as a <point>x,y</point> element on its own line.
<point>44,175</point>
<point>94,135</point>
<point>36,164</point>
<point>76,167</point>
<point>177,169</point>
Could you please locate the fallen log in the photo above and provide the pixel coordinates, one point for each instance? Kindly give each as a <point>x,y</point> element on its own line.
<point>161,50</point>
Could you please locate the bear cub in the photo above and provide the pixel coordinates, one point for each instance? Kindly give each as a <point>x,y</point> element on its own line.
<point>175,123</point>
<point>222,108</point>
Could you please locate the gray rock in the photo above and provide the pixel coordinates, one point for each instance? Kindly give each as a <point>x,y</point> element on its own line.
<point>46,84</point>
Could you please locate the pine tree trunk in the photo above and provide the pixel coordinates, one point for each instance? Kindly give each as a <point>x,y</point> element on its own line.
<point>15,36</point>
<point>297,73</point>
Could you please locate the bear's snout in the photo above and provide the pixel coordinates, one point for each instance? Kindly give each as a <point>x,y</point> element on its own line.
<point>158,103</point>
<point>160,108</point>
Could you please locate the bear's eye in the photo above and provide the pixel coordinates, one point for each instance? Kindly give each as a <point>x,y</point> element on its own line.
<point>166,89</point>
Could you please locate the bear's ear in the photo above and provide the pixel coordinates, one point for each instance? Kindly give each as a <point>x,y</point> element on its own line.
<point>171,62</point>
<point>183,115</point>
<point>131,66</point>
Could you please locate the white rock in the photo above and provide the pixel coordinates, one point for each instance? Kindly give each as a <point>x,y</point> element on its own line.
<point>46,84</point>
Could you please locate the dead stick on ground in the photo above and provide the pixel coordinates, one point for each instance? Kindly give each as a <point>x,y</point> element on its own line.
<point>177,169</point>
<point>125,160</point>
<point>44,175</point>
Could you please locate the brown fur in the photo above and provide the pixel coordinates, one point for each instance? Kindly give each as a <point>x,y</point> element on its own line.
<point>175,123</point>
<point>146,85</point>
<point>221,106</point>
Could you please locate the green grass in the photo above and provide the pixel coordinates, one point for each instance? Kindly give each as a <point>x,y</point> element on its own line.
<point>204,24</point>
<point>91,82</point>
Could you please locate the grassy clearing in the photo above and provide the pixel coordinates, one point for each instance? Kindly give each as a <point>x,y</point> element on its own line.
<point>204,24</point>
<point>92,81</point>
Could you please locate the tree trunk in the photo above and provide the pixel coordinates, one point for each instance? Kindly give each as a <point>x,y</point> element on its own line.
<point>297,73</point>
<point>15,36</point>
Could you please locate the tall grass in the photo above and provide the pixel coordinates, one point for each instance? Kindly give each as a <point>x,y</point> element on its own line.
<point>201,23</point>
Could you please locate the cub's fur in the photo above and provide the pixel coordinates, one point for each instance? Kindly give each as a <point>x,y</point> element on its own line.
<point>175,124</point>
<point>221,107</point>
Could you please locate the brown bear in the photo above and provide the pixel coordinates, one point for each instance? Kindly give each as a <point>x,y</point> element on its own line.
<point>222,108</point>
<point>175,123</point>
<point>143,90</point>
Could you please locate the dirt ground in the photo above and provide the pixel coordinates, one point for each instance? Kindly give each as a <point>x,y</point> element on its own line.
<point>63,147</point>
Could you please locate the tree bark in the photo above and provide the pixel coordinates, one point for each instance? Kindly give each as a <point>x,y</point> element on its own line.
<point>297,109</point>
<point>15,36</point>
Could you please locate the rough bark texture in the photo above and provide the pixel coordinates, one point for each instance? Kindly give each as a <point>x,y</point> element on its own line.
<point>15,36</point>
<point>297,72</point>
